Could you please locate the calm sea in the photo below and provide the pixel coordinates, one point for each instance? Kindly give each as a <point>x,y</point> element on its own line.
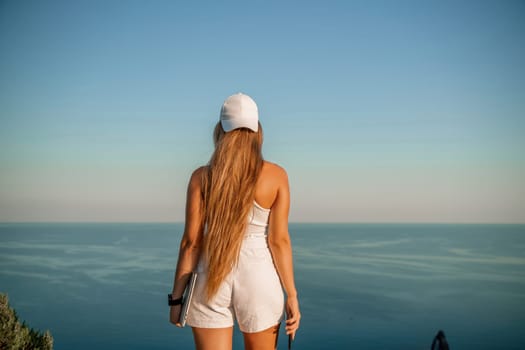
<point>361,286</point>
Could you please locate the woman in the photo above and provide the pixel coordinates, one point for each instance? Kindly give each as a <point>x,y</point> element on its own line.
<point>236,237</point>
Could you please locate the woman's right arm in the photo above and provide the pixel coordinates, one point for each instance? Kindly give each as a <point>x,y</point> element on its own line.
<point>190,245</point>
<point>281,248</point>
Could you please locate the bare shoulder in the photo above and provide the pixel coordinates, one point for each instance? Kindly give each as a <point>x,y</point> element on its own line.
<point>199,171</point>
<point>275,171</point>
<point>196,176</point>
<point>272,181</point>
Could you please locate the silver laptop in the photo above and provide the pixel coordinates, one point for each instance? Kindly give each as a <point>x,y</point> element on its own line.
<point>188,293</point>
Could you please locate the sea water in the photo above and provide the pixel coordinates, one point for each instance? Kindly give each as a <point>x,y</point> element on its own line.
<point>361,286</point>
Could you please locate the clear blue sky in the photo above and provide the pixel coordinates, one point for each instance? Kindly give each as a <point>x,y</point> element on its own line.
<point>381,111</point>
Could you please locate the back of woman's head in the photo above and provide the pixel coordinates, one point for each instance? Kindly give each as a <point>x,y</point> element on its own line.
<point>228,191</point>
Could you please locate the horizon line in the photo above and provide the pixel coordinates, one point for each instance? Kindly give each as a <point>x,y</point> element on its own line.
<point>291,222</point>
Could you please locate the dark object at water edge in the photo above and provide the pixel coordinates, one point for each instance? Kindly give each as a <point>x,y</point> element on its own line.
<point>440,341</point>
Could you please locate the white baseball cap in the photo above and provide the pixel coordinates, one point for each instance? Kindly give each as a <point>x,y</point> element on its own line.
<point>239,111</point>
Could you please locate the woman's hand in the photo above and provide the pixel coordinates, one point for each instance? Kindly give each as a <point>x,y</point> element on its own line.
<point>175,314</point>
<point>293,315</point>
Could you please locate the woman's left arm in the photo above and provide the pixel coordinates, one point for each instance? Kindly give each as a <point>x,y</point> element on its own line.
<point>190,245</point>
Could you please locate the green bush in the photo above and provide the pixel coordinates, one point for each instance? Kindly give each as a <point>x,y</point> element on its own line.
<point>17,336</point>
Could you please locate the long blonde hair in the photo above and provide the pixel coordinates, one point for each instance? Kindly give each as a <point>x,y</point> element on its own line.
<point>228,193</point>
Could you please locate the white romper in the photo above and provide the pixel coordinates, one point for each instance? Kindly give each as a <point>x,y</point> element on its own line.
<point>251,292</point>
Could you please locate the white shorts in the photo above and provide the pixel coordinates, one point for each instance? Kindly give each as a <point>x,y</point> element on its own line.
<point>251,293</point>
